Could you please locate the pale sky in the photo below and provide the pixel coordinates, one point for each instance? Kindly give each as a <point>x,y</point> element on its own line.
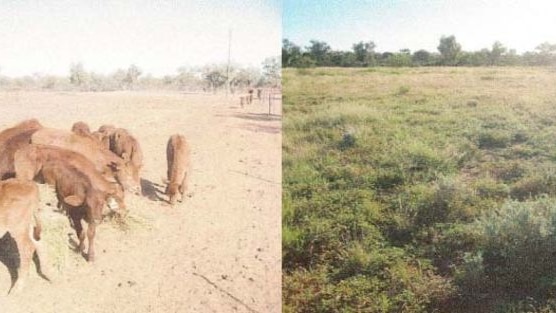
<point>419,24</point>
<point>157,35</point>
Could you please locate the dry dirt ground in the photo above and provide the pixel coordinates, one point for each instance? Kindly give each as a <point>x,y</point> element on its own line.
<point>219,251</point>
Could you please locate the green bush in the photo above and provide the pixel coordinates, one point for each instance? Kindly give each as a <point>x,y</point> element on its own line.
<point>515,252</point>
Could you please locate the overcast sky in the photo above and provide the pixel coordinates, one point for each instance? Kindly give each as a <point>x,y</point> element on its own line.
<point>399,24</point>
<point>46,36</point>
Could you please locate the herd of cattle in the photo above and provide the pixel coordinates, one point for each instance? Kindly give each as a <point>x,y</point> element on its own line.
<point>90,173</point>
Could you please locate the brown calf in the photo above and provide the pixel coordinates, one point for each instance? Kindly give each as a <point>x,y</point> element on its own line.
<point>177,155</point>
<point>80,189</point>
<point>18,201</point>
<point>12,139</point>
<point>124,145</point>
<point>105,161</point>
<point>22,126</point>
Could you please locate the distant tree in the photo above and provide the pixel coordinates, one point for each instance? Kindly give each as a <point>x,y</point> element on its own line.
<point>476,58</point>
<point>349,59</point>
<point>215,76</point>
<point>291,53</point>
<point>546,48</point>
<point>546,54</point>
<point>272,70</point>
<point>495,55</point>
<point>306,61</point>
<point>119,78</point>
<point>364,52</point>
<point>449,49</point>
<point>382,58</point>
<point>511,58</point>
<point>421,58</point>
<point>398,60</point>
<point>318,50</point>
<point>78,75</point>
<point>185,78</point>
<point>132,75</point>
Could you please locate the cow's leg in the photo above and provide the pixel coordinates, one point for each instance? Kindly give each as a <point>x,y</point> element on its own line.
<point>139,190</point>
<point>183,187</point>
<point>75,217</point>
<point>25,248</point>
<point>42,256</point>
<point>91,230</point>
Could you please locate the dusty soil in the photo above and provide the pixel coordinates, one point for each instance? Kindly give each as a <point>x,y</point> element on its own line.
<point>219,251</point>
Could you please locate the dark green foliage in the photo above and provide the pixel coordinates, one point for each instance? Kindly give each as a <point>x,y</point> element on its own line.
<point>450,53</point>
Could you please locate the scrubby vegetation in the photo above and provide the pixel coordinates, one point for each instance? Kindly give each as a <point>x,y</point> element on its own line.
<point>419,190</point>
<point>209,78</point>
<point>449,53</point>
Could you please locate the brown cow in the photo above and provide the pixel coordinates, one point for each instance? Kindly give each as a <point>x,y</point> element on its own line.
<point>8,149</point>
<point>104,160</point>
<point>24,125</point>
<point>11,140</point>
<point>80,189</point>
<point>124,145</point>
<point>177,155</point>
<point>103,134</point>
<point>81,128</point>
<point>18,201</point>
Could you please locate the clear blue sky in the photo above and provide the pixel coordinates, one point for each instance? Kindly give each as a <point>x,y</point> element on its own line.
<point>46,36</point>
<point>419,24</point>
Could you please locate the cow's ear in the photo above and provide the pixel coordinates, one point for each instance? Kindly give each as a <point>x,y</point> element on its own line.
<point>73,200</point>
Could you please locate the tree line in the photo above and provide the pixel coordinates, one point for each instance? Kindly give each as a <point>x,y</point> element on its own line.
<point>209,78</point>
<point>450,53</point>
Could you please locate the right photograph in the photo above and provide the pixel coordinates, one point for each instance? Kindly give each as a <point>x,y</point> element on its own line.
<point>419,156</point>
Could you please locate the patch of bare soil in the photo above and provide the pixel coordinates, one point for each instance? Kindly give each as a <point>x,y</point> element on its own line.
<point>219,251</point>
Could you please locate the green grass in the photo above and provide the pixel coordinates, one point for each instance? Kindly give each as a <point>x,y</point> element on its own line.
<point>380,160</point>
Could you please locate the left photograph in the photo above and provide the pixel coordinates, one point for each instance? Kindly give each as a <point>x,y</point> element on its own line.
<point>140,156</point>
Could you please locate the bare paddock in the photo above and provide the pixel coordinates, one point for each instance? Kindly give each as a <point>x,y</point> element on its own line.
<point>219,251</point>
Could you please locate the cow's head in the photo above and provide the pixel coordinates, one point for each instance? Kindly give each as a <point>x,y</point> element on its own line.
<point>125,176</point>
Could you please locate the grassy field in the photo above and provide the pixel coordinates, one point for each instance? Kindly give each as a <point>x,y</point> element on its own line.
<point>419,190</point>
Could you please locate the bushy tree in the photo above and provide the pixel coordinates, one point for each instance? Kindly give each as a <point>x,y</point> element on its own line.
<point>272,70</point>
<point>215,77</point>
<point>318,50</point>
<point>364,53</point>
<point>450,49</point>
<point>78,76</point>
<point>291,53</point>
<point>132,75</point>
<point>496,53</point>
<point>421,58</point>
